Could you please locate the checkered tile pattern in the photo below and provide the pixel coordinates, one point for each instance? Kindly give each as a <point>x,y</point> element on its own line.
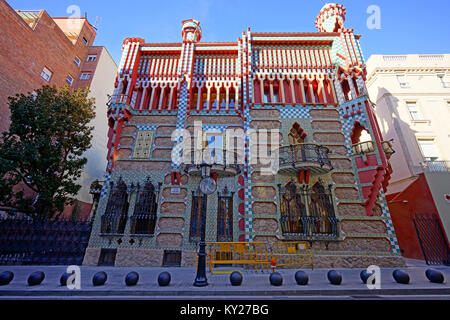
<point>106,185</point>
<point>219,128</point>
<point>180,121</point>
<point>390,226</point>
<point>145,127</point>
<point>299,112</point>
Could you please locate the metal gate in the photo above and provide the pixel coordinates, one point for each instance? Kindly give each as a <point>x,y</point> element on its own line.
<point>431,238</point>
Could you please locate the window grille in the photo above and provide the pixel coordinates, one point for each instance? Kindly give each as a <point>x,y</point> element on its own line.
<point>116,213</point>
<point>144,218</point>
<point>307,212</point>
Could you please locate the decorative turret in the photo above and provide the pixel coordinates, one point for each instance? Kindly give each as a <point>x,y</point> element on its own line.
<point>191,31</point>
<point>331,18</point>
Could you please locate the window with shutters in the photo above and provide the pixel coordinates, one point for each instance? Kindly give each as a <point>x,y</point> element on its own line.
<point>143,145</point>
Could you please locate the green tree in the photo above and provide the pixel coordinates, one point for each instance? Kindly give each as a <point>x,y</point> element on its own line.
<point>41,154</point>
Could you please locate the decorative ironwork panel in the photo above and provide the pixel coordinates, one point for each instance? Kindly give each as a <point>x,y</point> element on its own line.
<point>143,220</point>
<point>115,217</point>
<point>225,219</point>
<point>307,213</point>
<point>431,238</point>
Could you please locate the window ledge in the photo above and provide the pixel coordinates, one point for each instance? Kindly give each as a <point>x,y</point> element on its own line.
<point>420,121</point>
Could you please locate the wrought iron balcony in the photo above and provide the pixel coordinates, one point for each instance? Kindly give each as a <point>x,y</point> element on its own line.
<point>304,156</point>
<point>223,162</point>
<point>369,146</point>
<point>363,147</point>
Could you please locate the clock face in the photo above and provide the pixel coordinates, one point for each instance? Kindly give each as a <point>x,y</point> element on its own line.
<point>208,186</point>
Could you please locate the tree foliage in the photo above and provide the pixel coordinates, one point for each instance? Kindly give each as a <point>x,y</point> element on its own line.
<point>41,154</point>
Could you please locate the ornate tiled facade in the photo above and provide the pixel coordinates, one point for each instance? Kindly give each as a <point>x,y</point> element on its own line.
<point>306,89</point>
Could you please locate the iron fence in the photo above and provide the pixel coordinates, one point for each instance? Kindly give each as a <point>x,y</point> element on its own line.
<point>24,241</point>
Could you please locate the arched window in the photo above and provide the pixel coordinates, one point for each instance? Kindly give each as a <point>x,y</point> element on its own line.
<point>346,90</point>
<point>361,140</point>
<point>143,220</point>
<point>296,134</point>
<point>116,213</point>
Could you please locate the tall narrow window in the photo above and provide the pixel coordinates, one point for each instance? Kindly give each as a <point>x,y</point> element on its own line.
<point>198,205</point>
<point>276,94</point>
<point>346,90</point>
<point>266,94</point>
<point>143,220</point>
<point>116,213</point>
<point>225,217</point>
<point>321,208</point>
<point>292,210</point>
<point>214,148</point>
<point>414,111</point>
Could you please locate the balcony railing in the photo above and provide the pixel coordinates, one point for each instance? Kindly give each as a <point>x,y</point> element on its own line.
<point>436,166</point>
<point>222,161</point>
<point>369,146</point>
<point>363,147</point>
<point>121,99</point>
<point>304,156</point>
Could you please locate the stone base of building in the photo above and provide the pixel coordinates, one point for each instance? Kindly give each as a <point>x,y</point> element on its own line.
<point>127,257</point>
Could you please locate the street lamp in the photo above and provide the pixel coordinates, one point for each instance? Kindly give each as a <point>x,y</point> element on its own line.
<point>207,186</point>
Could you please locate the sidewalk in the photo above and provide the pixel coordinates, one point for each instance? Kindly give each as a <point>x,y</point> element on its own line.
<point>254,285</point>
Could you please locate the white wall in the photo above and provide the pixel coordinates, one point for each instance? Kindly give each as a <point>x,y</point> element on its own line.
<point>431,97</point>
<point>102,85</point>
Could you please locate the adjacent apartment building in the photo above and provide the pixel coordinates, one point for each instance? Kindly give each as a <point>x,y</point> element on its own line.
<point>412,97</point>
<point>190,110</point>
<point>46,50</point>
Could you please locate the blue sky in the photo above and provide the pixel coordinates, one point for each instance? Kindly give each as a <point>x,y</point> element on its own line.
<point>407,26</point>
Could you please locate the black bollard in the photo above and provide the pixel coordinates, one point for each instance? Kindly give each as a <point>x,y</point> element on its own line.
<point>334,277</point>
<point>301,278</point>
<point>364,276</point>
<point>236,278</point>
<point>63,280</point>
<point>6,277</point>
<point>164,279</point>
<point>434,276</point>
<point>99,278</point>
<point>276,279</point>
<point>132,279</point>
<point>400,276</point>
<point>36,278</point>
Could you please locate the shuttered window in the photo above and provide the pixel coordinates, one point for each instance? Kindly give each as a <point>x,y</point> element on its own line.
<point>143,145</point>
